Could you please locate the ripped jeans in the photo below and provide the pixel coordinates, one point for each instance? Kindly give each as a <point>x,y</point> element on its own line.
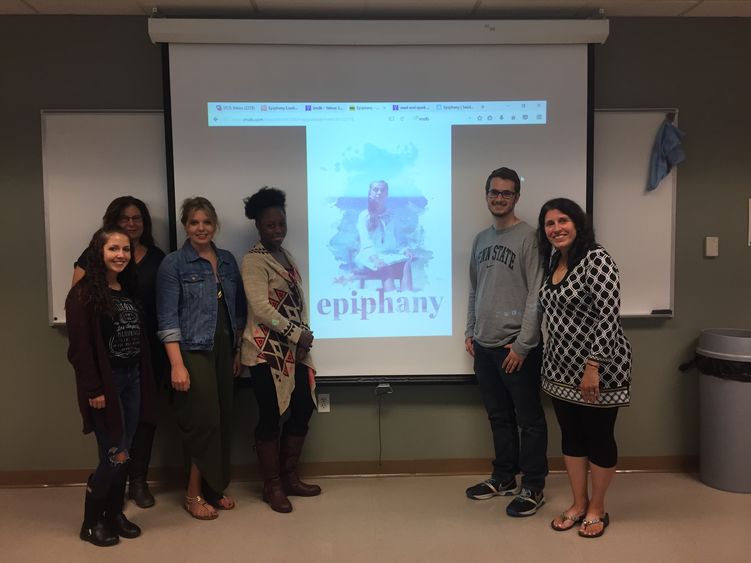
<point>128,384</point>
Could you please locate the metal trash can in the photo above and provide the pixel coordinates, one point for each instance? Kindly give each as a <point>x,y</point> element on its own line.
<point>724,358</point>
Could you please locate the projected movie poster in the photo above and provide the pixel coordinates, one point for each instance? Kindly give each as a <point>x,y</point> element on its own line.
<point>379,199</point>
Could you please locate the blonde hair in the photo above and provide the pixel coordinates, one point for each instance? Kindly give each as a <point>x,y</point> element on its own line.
<point>193,204</point>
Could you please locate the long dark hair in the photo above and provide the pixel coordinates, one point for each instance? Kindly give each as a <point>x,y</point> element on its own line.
<point>93,287</point>
<point>585,234</point>
<point>115,210</point>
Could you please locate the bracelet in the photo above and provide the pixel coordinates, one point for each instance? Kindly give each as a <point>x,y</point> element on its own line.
<point>593,365</point>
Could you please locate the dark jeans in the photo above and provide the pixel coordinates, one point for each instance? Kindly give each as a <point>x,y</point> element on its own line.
<point>128,384</point>
<point>517,420</point>
<point>301,404</point>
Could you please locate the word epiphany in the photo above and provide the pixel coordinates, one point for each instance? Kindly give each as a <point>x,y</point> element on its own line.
<point>363,306</point>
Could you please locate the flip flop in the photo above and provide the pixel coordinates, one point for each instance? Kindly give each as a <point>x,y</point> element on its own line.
<point>605,521</point>
<point>564,518</point>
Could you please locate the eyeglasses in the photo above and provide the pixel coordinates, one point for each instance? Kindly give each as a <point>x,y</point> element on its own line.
<point>125,219</point>
<point>505,194</point>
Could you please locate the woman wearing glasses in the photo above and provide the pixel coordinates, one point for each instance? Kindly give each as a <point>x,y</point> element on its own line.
<point>132,216</point>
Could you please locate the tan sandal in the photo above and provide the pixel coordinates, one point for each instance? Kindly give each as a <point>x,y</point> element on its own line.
<point>205,510</point>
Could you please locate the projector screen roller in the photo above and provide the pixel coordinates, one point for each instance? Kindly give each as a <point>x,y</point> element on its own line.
<point>416,129</point>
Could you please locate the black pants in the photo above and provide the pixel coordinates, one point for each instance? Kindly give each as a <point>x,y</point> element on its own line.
<point>588,432</point>
<point>301,404</point>
<point>517,420</point>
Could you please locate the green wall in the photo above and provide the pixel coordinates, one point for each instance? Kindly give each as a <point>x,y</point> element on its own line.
<point>698,65</point>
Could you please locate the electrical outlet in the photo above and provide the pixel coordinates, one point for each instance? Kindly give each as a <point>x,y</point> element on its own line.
<point>324,402</point>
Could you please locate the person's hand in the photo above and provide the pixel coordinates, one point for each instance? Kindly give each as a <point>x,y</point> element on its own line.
<point>469,346</point>
<point>305,340</point>
<point>590,385</point>
<point>180,378</point>
<point>513,361</point>
<point>304,343</point>
<point>97,402</point>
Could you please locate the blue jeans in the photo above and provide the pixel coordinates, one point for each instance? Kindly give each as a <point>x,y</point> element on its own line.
<point>128,384</point>
<point>517,420</point>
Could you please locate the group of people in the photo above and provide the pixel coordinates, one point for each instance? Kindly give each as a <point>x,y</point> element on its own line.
<point>135,315</point>
<point>518,276</point>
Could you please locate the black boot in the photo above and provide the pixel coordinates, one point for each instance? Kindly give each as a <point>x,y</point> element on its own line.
<point>94,528</point>
<point>273,492</point>
<point>138,467</point>
<point>290,454</point>
<point>115,518</point>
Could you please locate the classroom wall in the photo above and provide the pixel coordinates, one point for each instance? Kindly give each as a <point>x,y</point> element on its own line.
<point>82,63</point>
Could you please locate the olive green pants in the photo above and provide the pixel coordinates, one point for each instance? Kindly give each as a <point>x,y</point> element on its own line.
<point>204,412</point>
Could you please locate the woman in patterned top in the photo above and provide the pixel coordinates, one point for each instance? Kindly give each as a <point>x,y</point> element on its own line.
<point>587,358</point>
<point>276,345</point>
<point>108,348</point>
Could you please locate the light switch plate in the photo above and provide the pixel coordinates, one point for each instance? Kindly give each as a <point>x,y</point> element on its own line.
<point>711,247</point>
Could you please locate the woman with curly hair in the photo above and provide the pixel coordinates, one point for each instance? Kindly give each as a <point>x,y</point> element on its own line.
<point>131,214</point>
<point>586,360</point>
<point>108,348</point>
<point>276,345</point>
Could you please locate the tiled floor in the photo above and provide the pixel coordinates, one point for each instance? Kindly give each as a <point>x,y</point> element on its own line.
<point>654,517</point>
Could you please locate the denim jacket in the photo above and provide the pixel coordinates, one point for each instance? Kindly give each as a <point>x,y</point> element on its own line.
<point>186,297</point>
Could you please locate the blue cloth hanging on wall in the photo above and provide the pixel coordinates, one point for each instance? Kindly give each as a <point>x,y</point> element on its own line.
<point>666,153</point>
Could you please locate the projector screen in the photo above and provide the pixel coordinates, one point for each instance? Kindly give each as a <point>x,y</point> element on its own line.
<point>424,125</point>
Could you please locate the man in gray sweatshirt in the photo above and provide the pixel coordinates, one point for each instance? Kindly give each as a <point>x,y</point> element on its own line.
<point>503,336</point>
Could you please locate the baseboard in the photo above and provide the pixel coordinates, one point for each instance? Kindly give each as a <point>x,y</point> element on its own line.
<point>62,477</point>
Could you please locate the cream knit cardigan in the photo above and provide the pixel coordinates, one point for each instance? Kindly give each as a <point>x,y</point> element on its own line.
<point>272,314</point>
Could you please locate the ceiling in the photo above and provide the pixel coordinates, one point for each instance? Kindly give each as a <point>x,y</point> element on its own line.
<point>384,9</point>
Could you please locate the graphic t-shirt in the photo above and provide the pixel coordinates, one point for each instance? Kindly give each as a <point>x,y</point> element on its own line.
<point>122,332</point>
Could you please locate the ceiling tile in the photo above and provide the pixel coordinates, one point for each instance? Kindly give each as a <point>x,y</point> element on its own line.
<point>15,7</point>
<point>643,8</point>
<point>722,9</point>
<point>202,8</point>
<point>427,8</point>
<point>87,7</point>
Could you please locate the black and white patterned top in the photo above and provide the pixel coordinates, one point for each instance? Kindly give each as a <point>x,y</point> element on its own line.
<point>583,322</point>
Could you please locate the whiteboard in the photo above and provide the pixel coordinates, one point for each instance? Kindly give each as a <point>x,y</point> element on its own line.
<point>635,226</point>
<point>89,159</point>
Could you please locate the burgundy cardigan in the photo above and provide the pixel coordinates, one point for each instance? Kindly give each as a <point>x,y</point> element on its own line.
<point>88,355</point>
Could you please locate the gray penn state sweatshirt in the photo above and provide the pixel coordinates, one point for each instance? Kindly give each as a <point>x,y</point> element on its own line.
<point>505,274</point>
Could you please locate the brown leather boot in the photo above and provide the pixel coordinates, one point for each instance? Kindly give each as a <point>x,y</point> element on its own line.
<point>290,454</point>
<point>273,492</point>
